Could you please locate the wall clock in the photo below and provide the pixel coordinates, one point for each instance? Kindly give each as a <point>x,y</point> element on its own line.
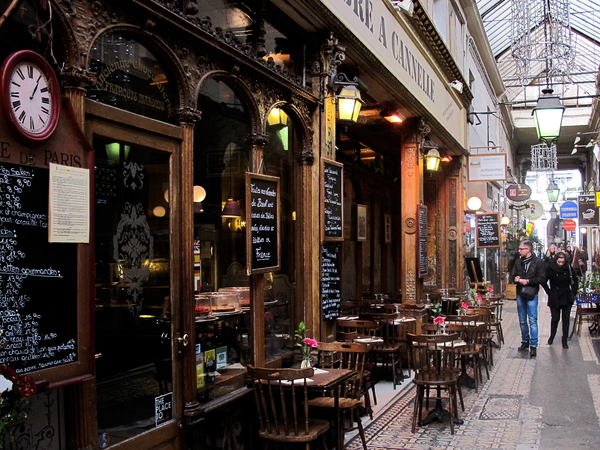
<point>30,96</point>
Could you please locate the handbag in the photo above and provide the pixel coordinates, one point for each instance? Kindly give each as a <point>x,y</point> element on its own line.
<point>528,292</point>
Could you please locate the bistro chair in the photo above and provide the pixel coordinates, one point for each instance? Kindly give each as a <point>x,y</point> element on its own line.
<point>475,352</point>
<point>387,354</point>
<point>586,308</point>
<point>363,329</point>
<point>483,315</point>
<point>344,355</point>
<point>436,367</point>
<point>281,398</point>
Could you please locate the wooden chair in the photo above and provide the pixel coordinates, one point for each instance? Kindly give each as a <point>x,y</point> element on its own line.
<point>436,366</point>
<point>451,328</point>
<point>362,328</point>
<point>484,315</point>
<point>343,355</point>
<point>475,336</point>
<point>354,307</point>
<point>586,308</point>
<point>387,354</point>
<point>282,406</point>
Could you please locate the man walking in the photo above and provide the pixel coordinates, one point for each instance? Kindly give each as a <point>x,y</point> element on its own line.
<point>529,272</point>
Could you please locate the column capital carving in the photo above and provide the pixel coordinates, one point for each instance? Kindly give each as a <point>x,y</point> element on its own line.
<point>76,77</point>
<point>257,140</point>
<point>306,157</point>
<point>188,115</point>
<point>423,128</point>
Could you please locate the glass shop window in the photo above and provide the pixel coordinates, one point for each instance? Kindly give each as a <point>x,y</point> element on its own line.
<point>129,77</point>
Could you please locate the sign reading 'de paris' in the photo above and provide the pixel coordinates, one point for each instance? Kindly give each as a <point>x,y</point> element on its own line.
<point>262,222</point>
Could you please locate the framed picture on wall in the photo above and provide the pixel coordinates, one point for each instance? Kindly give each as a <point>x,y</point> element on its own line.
<point>387,228</point>
<point>361,222</point>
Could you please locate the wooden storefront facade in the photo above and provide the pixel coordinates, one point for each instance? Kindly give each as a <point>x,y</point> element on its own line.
<point>175,111</point>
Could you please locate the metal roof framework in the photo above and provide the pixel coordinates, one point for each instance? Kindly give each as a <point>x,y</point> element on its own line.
<point>585,34</point>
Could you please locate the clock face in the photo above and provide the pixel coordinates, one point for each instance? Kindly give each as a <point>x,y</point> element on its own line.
<point>30,96</point>
<point>30,99</point>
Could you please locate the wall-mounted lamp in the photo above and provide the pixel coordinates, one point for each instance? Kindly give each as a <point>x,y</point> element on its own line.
<point>505,220</point>
<point>406,6</point>
<point>277,118</point>
<point>348,100</point>
<point>392,115</point>
<point>199,196</point>
<point>431,155</point>
<point>457,85</point>
<point>474,204</point>
<point>548,115</point>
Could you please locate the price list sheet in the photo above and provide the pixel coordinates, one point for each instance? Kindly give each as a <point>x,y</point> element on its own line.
<point>38,280</point>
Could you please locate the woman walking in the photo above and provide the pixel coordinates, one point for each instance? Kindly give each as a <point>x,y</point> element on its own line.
<point>562,286</point>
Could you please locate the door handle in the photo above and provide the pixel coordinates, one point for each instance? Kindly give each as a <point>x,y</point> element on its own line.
<point>182,341</point>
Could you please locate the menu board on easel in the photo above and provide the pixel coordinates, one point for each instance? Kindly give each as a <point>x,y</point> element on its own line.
<point>331,263</point>
<point>423,261</point>
<point>262,222</point>
<point>332,185</point>
<point>488,229</point>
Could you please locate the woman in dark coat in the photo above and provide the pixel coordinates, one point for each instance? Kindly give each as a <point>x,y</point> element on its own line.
<point>562,286</point>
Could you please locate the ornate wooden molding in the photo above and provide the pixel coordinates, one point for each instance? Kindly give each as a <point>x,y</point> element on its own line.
<point>188,115</point>
<point>76,77</point>
<point>257,140</point>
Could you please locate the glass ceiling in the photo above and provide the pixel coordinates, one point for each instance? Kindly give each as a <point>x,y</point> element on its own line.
<point>585,38</point>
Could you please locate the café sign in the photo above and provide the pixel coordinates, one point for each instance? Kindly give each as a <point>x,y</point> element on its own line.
<point>518,192</point>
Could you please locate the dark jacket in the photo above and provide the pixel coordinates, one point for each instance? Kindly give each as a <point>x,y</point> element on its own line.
<point>562,284</point>
<point>536,272</point>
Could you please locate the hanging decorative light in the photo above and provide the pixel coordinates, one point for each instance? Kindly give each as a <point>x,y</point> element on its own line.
<point>548,115</point>
<point>543,157</point>
<point>553,191</point>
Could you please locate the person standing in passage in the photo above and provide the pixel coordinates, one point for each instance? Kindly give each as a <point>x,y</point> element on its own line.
<point>529,270</point>
<point>551,252</point>
<point>562,285</point>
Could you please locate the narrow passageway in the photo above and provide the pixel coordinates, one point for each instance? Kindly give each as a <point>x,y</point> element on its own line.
<point>551,402</point>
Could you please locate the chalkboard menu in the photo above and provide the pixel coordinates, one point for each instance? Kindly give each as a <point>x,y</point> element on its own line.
<point>332,184</point>
<point>38,280</point>
<point>262,222</point>
<point>488,229</point>
<point>331,261</point>
<point>423,242</point>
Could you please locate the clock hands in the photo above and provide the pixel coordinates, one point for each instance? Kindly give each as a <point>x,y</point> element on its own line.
<point>36,87</point>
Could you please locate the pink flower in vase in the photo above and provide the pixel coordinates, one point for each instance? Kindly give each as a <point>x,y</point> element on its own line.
<point>464,305</point>
<point>490,289</point>
<point>310,342</point>
<point>439,320</point>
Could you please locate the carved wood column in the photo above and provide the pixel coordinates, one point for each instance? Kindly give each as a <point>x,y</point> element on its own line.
<point>76,82</point>
<point>80,398</point>
<point>331,55</point>
<point>257,143</point>
<point>410,184</point>
<point>182,242</point>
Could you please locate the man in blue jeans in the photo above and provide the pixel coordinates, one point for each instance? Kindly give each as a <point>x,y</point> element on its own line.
<point>529,270</point>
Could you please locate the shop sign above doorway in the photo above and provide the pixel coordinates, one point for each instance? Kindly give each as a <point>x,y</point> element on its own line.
<point>518,192</point>
<point>569,225</point>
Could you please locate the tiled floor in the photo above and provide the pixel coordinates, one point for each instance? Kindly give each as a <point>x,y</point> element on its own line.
<point>505,413</point>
